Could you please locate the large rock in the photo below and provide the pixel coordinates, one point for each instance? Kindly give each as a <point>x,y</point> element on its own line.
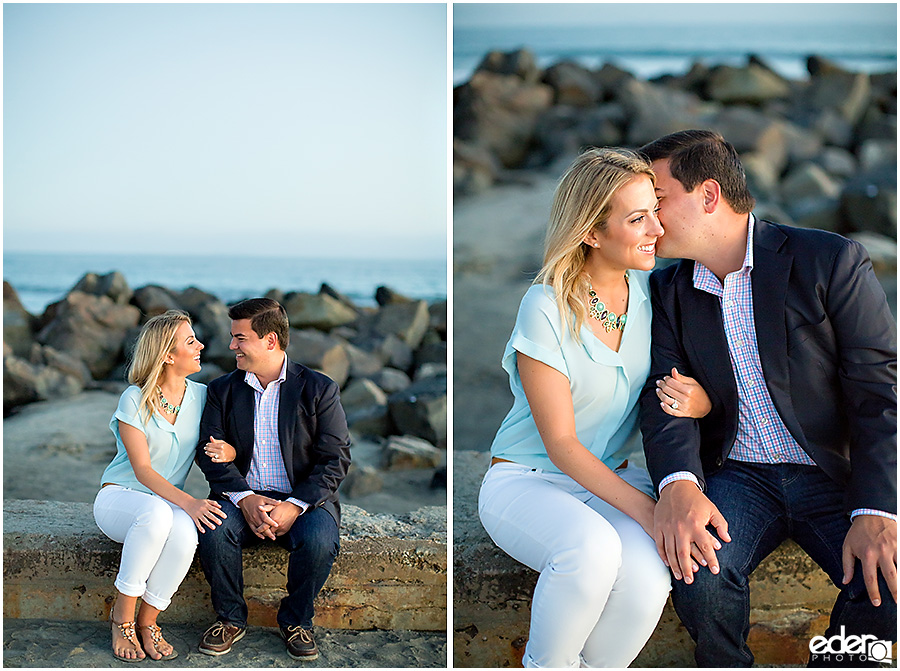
<point>91,328</point>
<point>361,480</point>
<point>431,354</point>
<point>877,125</point>
<point>753,85</point>
<point>751,131</point>
<point>520,63</point>
<point>213,328</point>
<point>319,311</point>
<point>500,112</point>
<point>878,154</point>
<point>475,168</point>
<point>421,410</point>
<point>611,78</point>
<point>25,382</point>
<point>361,394</point>
<point>329,290</point>
<point>391,380</point>
<point>18,323</point>
<point>371,421</point>
<point>437,318</point>
<point>112,285</point>
<point>654,111</point>
<point>386,296</point>
<point>407,321</point>
<point>64,363</point>
<point>321,352</point>
<point>362,363</point>
<point>572,84</point>
<point>847,93</point>
<point>837,162</point>
<point>411,452</point>
<point>193,299</point>
<point>869,203</point>
<point>563,130</point>
<point>808,180</point>
<point>154,300</point>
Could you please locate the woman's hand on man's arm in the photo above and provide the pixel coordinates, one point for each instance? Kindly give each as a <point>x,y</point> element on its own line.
<point>204,512</point>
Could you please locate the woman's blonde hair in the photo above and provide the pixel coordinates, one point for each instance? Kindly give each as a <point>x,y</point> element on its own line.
<point>156,340</point>
<point>582,203</point>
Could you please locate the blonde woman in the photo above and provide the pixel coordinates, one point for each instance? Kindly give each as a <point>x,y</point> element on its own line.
<point>560,495</point>
<point>141,502</point>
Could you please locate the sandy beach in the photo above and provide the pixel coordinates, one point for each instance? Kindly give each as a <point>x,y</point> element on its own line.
<point>45,644</point>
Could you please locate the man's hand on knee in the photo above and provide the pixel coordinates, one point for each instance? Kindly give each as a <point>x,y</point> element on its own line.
<point>873,540</point>
<point>284,514</point>
<point>680,520</point>
<point>253,508</point>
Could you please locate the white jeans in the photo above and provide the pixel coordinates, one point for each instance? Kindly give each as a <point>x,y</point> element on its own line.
<point>602,586</point>
<point>158,539</point>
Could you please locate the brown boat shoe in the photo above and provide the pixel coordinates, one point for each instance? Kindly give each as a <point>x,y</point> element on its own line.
<point>218,639</point>
<point>300,643</point>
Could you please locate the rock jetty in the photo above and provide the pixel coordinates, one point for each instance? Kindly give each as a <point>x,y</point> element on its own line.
<point>390,361</point>
<point>819,152</point>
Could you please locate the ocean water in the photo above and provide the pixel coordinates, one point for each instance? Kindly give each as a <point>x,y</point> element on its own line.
<point>650,50</point>
<point>41,279</point>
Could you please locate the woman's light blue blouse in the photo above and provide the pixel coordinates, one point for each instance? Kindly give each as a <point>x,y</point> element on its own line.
<point>605,384</point>
<point>172,446</point>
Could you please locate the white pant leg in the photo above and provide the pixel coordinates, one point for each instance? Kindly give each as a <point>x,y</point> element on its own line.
<point>640,591</point>
<point>158,539</point>
<point>536,519</point>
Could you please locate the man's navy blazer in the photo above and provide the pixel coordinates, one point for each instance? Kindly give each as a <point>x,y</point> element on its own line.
<point>828,349</point>
<point>312,430</point>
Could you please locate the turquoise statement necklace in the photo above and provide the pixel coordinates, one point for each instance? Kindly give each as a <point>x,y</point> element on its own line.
<point>607,318</point>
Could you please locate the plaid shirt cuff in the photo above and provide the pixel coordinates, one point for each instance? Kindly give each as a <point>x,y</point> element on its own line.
<point>679,475</point>
<point>870,511</point>
<point>237,496</point>
<point>302,505</point>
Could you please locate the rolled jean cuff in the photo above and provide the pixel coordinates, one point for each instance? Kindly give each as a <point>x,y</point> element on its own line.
<point>129,590</point>
<point>157,602</point>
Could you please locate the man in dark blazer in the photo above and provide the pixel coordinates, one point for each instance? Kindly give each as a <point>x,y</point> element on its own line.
<point>274,447</point>
<point>789,333</point>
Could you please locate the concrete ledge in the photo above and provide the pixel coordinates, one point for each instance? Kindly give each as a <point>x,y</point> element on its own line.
<point>790,603</point>
<point>391,572</point>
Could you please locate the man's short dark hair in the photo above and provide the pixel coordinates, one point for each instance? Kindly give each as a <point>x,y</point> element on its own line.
<point>697,155</point>
<point>266,316</point>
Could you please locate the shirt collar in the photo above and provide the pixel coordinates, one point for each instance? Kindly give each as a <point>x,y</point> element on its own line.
<point>253,381</point>
<point>703,275</point>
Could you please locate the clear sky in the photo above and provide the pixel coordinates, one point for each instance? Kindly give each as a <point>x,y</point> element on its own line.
<point>226,128</point>
<point>466,15</point>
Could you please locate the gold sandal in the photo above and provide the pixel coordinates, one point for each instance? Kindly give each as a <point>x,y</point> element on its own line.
<point>157,637</point>
<point>126,629</point>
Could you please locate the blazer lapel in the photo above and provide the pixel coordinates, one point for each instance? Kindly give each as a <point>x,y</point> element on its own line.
<point>288,407</point>
<point>704,335</point>
<point>244,412</point>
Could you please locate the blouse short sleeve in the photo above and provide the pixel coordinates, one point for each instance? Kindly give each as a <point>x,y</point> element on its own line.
<point>538,331</point>
<point>128,410</point>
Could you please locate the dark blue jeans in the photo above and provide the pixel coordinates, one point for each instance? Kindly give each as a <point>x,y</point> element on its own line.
<point>313,542</point>
<point>765,504</point>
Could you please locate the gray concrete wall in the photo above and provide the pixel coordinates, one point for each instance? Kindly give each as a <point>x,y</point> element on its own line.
<point>391,572</point>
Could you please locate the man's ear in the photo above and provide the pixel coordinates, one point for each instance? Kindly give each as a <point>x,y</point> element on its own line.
<point>271,340</point>
<point>712,195</point>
